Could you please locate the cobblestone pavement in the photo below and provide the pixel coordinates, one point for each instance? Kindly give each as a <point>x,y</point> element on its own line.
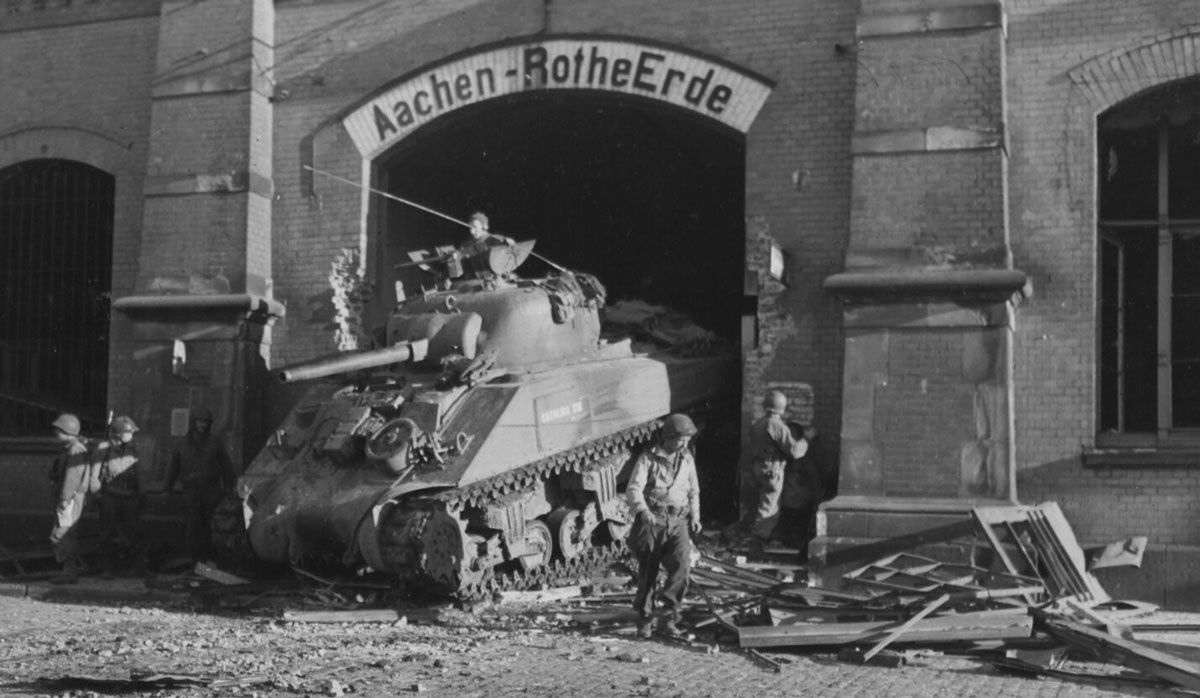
<point>491,653</point>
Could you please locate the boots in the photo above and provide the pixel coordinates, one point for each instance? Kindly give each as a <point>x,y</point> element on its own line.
<point>669,628</point>
<point>70,572</point>
<point>645,627</point>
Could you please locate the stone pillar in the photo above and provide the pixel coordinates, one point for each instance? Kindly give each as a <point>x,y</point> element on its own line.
<point>928,289</point>
<point>200,321</point>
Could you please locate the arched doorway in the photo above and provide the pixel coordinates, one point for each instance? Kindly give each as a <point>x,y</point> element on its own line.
<point>56,237</point>
<point>648,198</point>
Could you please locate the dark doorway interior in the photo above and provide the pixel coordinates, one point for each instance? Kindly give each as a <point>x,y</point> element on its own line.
<point>56,236</point>
<point>649,199</point>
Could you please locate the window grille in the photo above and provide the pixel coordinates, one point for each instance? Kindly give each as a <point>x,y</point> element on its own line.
<point>56,235</point>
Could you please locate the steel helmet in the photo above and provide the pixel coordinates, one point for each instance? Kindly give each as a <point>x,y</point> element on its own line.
<point>677,425</point>
<point>123,424</point>
<point>775,401</point>
<point>67,423</point>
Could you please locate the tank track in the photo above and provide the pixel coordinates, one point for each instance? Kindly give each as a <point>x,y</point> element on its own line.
<point>232,543</point>
<point>577,460</point>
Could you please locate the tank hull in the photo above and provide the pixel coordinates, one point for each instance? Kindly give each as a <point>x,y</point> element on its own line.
<point>537,445</point>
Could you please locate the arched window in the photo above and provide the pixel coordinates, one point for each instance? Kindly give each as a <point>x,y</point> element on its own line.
<point>1149,264</point>
<point>56,234</point>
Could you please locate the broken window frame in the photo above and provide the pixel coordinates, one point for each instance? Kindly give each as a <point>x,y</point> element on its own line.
<point>1113,343</point>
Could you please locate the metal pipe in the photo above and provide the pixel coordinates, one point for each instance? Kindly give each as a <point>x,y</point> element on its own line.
<point>224,301</point>
<point>357,361</point>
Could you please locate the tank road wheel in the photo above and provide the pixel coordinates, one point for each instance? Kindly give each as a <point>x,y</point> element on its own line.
<point>448,557</point>
<point>539,542</point>
<point>567,526</point>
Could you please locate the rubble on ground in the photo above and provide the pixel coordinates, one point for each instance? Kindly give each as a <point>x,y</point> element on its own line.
<point>1027,606</point>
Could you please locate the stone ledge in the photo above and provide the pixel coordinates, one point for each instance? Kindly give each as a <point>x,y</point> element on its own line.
<point>891,287</point>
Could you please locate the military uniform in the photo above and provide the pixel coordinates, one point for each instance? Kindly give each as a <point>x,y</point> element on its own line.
<point>772,446</point>
<point>664,493</point>
<point>69,482</point>
<point>207,473</point>
<point>121,501</point>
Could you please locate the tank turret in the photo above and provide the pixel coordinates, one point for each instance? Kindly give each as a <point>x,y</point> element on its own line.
<point>485,446</point>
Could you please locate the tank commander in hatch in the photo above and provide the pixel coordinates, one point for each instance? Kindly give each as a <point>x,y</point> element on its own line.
<point>664,494</point>
<point>475,253</point>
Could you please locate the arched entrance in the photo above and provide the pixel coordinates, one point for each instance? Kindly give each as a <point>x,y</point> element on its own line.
<point>649,200</point>
<point>56,239</point>
<point>621,158</point>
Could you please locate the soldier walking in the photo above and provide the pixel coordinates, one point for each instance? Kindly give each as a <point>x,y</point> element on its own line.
<point>202,461</point>
<point>121,498</point>
<point>69,481</point>
<point>664,494</point>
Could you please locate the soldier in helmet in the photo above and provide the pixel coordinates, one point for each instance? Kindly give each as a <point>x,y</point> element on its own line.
<point>121,497</point>
<point>69,479</point>
<point>664,494</point>
<point>772,446</point>
<point>201,462</point>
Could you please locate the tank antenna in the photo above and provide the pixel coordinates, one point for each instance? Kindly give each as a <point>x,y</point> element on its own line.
<point>414,204</point>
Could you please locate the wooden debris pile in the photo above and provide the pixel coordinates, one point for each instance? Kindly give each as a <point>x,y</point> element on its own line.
<point>1027,603</point>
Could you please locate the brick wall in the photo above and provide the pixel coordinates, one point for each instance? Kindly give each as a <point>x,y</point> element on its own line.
<point>1068,62</point>
<point>89,99</point>
<point>797,169</point>
<point>85,100</point>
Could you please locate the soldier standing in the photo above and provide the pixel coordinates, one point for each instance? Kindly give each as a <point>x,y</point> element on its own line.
<point>201,460</point>
<point>121,498</point>
<point>664,494</point>
<point>772,446</point>
<point>69,480</point>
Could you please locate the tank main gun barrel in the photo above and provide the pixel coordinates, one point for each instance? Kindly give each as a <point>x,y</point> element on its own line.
<point>358,361</point>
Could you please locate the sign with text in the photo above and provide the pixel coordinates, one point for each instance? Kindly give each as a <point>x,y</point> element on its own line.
<point>706,87</point>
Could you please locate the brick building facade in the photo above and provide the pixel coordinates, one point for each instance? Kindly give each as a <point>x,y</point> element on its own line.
<point>928,171</point>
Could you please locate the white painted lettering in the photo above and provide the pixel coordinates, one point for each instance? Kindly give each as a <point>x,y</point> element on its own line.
<point>678,78</point>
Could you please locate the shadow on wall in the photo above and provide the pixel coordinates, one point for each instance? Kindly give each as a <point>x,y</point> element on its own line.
<point>1169,578</point>
<point>1044,481</point>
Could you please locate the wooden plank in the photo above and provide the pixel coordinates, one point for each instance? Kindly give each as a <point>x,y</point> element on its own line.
<point>948,628</point>
<point>1130,653</point>
<point>544,596</point>
<point>216,575</point>
<point>1050,515</point>
<point>783,567</point>
<point>730,580</point>
<point>1054,549</point>
<point>377,615</point>
<point>904,627</point>
<point>737,571</point>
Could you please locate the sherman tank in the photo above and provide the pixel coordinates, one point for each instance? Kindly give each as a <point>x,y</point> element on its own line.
<point>485,445</point>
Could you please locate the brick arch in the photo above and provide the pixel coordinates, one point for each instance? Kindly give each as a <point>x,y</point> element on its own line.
<point>707,86</point>
<point>93,147</point>
<point>1106,80</point>
<point>1124,72</point>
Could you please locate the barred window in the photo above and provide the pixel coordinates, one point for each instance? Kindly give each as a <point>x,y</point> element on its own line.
<point>56,233</point>
<point>1149,266</point>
